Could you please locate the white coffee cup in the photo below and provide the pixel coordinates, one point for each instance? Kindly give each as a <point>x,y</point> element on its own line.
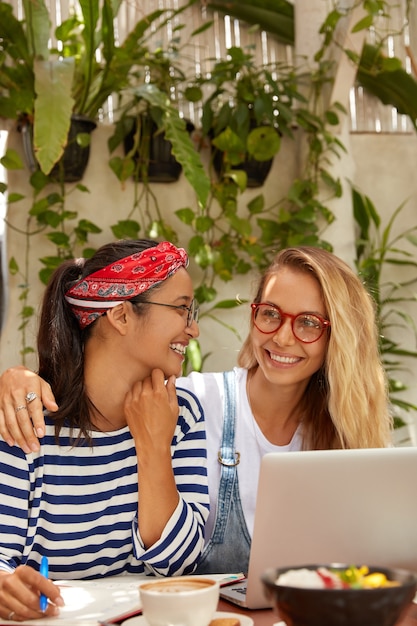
<point>179,601</point>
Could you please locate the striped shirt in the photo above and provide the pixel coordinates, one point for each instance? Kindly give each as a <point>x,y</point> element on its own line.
<point>78,504</point>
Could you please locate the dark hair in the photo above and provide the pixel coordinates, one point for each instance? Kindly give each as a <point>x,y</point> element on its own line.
<point>61,342</point>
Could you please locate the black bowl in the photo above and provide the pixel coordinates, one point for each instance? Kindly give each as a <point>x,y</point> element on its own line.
<point>299,606</point>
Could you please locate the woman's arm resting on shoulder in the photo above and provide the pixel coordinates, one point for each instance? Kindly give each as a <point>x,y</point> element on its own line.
<point>20,426</point>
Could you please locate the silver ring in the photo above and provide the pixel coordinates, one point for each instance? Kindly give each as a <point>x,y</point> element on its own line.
<point>30,396</point>
<point>20,408</point>
<point>11,615</point>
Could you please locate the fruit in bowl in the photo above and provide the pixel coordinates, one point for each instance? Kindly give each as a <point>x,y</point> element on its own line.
<point>339,595</point>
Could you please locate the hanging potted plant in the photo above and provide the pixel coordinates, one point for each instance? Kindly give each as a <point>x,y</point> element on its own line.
<point>144,115</point>
<point>40,87</point>
<point>51,88</point>
<point>156,139</point>
<point>246,111</point>
<point>384,77</point>
<point>149,115</point>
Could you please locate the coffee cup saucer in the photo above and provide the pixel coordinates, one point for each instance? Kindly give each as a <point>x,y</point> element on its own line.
<point>140,620</point>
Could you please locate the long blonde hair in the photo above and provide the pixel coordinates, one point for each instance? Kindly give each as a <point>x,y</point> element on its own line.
<point>346,404</point>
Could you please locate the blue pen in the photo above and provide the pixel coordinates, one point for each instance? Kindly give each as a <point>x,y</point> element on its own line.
<point>43,600</point>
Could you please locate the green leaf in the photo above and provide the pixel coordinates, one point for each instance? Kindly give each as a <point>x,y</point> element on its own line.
<point>88,252</point>
<point>256,205</point>
<point>278,21</point>
<point>82,188</point>
<point>27,311</point>
<point>14,197</point>
<point>83,139</point>
<point>332,118</point>
<point>11,160</point>
<point>123,168</point>
<point>185,215</point>
<point>240,225</point>
<point>13,266</point>
<point>263,143</point>
<point>228,304</point>
<point>59,239</point>
<point>231,144</point>
<point>205,293</point>
<point>53,108</point>
<point>203,223</point>
<point>38,34</point>
<point>89,227</point>
<point>176,132</point>
<point>126,229</point>
<point>363,24</point>
<point>193,355</point>
<point>193,94</point>
<point>240,177</point>
<point>39,180</point>
<point>396,88</point>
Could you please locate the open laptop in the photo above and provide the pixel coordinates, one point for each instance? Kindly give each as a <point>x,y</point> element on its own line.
<point>333,506</point>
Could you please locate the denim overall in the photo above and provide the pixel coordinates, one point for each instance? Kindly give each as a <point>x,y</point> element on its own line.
<point>228,548</point>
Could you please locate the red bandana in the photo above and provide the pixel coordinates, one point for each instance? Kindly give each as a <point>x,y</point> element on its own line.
<point>91,296</point>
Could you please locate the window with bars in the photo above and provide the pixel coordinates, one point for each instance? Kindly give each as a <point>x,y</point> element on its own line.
<point>367,113</point>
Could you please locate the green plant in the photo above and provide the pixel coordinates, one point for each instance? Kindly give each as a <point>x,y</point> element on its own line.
<point>384,77</point>
<point>47,85</point>
<point>247,108</point>
<point>379,248</point>
<point>146,112</point>
<point>75,76</point>
<point>154,102</point>
<point>39,83</point>
<point>228,240</point>
<point>275,16</point>
<point>48,216</point>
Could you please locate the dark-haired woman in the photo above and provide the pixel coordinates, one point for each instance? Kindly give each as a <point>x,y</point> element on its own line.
<point>119,482</point>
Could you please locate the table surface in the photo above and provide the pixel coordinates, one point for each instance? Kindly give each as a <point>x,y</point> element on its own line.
<point>268,617</point>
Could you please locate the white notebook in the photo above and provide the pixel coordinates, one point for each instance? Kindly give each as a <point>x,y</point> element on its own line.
<point>108,599</point>
<point>337,506</point>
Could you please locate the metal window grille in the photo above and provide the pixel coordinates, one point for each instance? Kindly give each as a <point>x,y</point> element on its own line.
<point>367,114</point>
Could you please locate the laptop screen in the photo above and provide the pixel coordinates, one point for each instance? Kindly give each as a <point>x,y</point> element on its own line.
<point>334,506</point>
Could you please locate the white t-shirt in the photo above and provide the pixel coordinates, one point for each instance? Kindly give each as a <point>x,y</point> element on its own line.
<point>249,439</point>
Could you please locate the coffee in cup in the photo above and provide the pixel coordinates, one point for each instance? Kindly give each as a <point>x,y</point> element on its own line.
<point>179,601</point>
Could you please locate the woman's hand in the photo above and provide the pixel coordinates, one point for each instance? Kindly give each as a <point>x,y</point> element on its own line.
<point>20,593</point>
<point>151,410</point>
<point>23,426</point>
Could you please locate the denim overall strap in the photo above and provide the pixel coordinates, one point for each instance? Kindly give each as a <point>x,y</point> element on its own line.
<point>228,548</point>
<point>227,457</point>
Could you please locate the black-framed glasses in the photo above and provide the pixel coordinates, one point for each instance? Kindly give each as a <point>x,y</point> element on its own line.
<point>192,310</point>
<point>306,327</point>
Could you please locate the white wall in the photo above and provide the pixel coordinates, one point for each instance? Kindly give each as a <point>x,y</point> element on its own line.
<point>381,165</point>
